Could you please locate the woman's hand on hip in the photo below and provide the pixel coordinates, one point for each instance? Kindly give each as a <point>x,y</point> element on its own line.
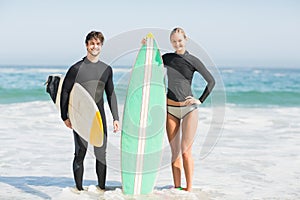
<point>191,100</point>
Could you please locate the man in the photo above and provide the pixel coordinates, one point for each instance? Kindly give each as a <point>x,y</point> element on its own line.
<point>96,77</point>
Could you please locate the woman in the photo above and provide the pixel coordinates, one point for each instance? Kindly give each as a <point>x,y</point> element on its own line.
<point>182,106</point>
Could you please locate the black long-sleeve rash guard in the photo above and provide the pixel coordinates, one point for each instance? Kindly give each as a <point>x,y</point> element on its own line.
<point>180,71</point>
<point>95,78</point>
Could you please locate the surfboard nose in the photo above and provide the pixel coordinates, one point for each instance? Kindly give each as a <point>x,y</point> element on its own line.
<point>150,35</point>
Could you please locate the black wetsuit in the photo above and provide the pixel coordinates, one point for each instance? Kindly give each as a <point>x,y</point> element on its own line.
<point>180,71</point>
<point>95,78</point>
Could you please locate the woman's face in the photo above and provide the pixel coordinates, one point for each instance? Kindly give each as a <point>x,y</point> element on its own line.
<point>178,42</point>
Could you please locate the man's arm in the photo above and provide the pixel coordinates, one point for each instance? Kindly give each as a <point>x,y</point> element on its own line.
<point>112,100</point>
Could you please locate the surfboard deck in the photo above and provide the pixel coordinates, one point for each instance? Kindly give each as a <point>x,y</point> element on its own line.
<point>144,119</point>
<point>83,112</point>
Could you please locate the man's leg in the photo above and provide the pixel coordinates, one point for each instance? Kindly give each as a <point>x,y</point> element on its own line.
<point>100,153</point>
<point>80,152</point>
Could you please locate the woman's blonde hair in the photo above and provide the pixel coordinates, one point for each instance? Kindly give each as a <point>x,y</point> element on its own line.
<point>178,30</point>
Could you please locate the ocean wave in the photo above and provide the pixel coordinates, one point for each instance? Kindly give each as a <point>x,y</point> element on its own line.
<point>280,98</point>
<point>255,98</point>
<point>18,95</point>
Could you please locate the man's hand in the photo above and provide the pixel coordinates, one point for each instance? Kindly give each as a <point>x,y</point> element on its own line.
<point>116,126</point>
<point>68,123</point>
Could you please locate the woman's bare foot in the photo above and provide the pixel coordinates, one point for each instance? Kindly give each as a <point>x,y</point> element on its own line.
<point>187,189</point>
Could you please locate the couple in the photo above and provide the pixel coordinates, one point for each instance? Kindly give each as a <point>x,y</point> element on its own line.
<point>96,77</point>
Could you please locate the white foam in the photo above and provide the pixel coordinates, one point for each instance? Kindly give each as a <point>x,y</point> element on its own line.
<point>124,70</point>
<point>229,71</point>
<point>11,70</point>
<point>117,194</point>
<point>280,75</point>
<point>257,156</point>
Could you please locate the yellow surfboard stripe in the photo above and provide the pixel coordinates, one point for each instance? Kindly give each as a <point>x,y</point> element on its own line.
<point>96,127</point>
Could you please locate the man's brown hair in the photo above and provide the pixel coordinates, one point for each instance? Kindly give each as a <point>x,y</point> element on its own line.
<point>95,35</point>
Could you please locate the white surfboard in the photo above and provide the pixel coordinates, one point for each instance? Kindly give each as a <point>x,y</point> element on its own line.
<point>85,116</point>
<point>83,113</point>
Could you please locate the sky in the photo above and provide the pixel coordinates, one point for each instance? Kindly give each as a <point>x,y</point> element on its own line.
<point>235,33</point>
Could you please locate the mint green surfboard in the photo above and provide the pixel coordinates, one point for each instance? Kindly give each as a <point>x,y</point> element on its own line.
<point>144,120</point>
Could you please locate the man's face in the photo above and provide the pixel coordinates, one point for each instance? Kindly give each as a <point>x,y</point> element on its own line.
<point>94,46</point>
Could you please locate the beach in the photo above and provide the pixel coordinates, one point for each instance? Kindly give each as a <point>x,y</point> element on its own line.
<point>256,154</point>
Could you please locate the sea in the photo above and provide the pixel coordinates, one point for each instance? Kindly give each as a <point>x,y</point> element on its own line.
<point>248,87</point>
<point>247,144</point>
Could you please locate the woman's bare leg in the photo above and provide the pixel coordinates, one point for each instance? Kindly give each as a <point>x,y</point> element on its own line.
<point>173,125</point>
<point>189,127</point>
